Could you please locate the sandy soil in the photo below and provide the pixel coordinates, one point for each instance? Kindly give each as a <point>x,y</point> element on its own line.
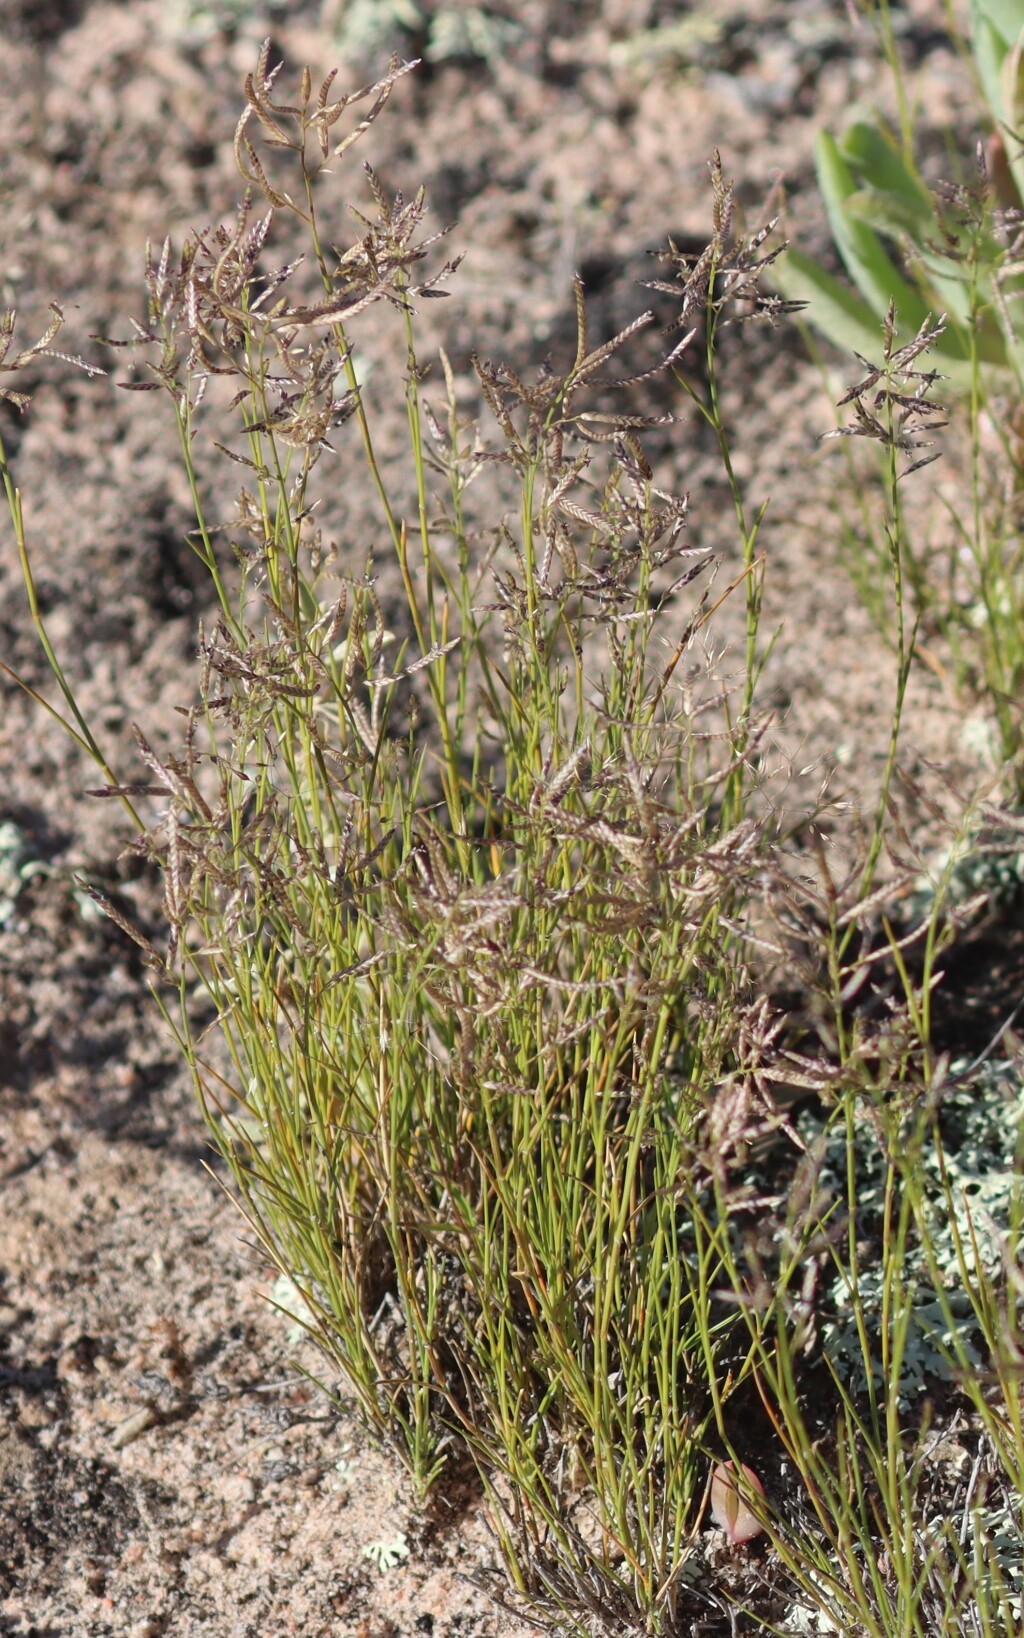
<point>164,1466</point>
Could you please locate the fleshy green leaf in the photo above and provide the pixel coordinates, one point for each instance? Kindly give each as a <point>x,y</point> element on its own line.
<point>848,321</point>
<point>875,158</point>
<point>887,212</point>
<point>864,255</point>
<point>1005,17</point>
<point>1012,87</point>
<point>990,49</point>
<point>894,202</point>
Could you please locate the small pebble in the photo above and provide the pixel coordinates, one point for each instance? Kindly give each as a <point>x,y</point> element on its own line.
<point>35,1414</point>
<point>236,1488</point>
<point>131,1428</point>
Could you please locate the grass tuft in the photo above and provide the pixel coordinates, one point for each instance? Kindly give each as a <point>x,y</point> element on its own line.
<point>476,883</point>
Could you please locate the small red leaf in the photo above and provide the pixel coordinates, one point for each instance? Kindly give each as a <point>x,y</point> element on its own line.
<point>729,1509</point>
